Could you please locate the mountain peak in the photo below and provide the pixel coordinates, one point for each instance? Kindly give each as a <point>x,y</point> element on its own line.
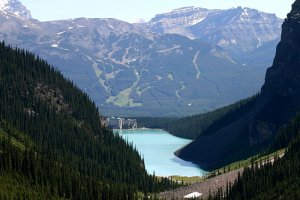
<point>139,21</point>
<point>183,9</point>
<point>15,7</point>
<point>3,4</point>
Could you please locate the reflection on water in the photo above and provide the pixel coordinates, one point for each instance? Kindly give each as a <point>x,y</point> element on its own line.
<point>157,147</point>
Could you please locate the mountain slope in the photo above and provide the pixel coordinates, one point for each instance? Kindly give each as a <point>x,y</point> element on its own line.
<point>15,7</point>
<point>223,28</point>
<point>194,126</point>
<point>277,180</point>
<point>276,105</point>
<point>127,68</point>
<point>50,135</point>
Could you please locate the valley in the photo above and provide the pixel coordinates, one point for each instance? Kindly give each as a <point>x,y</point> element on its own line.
<point>221,112</point>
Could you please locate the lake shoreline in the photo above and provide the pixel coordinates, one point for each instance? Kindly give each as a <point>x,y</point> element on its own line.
<point>140,129</point>
<point>157,147</point>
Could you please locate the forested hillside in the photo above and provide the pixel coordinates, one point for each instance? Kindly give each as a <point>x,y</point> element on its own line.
<point>52,144</point>
<point>203,124</point>
<point>267,180</point>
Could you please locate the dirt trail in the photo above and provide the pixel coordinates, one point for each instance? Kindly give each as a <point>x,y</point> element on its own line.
<point>205,187</point>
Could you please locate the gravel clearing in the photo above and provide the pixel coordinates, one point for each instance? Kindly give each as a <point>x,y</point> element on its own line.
<point>205,187</point>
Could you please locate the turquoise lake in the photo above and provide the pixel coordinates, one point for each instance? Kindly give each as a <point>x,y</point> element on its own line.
<point>157,147</point>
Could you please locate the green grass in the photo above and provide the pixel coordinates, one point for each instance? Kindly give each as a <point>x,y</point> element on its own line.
<point>187,179</point>
<point>233,166</point>
<point>13,140</point>
<point>247,162</point>
<point>123,99</point>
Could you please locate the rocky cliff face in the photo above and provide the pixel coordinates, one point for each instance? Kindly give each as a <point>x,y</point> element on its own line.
<point>283,78</point>
<point>280,94</point>
<point>237,29</point>
<point>178,20</point>
<point>278,103</point>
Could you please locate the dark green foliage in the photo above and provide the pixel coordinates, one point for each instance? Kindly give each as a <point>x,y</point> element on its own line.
<point>286,133</point>
<point>277,180</point>
<point>155,122</point>
<point>51,135</point>
<point>229,113</point>
<point>14,186</point>
<point>55,179</point>
<point>193,126</point>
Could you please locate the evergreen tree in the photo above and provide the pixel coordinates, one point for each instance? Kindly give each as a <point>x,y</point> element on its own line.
<point>52,144</point>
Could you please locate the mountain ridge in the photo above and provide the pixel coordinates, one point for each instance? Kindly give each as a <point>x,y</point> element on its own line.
<point>128,69</point>
<point>194,22</point>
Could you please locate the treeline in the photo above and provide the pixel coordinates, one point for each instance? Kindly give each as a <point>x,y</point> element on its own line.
<point>279,179</point>
<point>193,126</point>
<point>55,179</point>
<point>55,139</point>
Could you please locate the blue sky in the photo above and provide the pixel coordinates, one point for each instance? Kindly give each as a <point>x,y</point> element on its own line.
<point>129,10</point>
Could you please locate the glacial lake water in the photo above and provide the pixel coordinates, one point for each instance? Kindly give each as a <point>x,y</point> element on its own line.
<point>157,147</point>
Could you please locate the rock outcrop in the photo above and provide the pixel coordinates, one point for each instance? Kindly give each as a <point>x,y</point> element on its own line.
<point>278,102</point>
<point>283,78</point>
<point>280,95</point>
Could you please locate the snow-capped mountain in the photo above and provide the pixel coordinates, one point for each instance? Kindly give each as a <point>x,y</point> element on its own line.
<point>236,29</point>
<point>152,68</point>
<point>239,29</point>
<point>178,20</point>
<point>15,7</point>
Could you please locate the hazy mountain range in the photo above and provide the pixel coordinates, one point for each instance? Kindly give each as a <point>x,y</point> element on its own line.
<point>183,62</point>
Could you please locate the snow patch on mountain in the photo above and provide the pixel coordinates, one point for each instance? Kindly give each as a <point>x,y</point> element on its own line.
<point>3,4</point>
<point>139,21</point>
<point>62,32</point>
<point>110,26</point>
<point>15,7</point>
<point>196,21</point>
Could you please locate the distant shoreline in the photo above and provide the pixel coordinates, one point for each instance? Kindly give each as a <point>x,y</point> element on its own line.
<point>139,129</point>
